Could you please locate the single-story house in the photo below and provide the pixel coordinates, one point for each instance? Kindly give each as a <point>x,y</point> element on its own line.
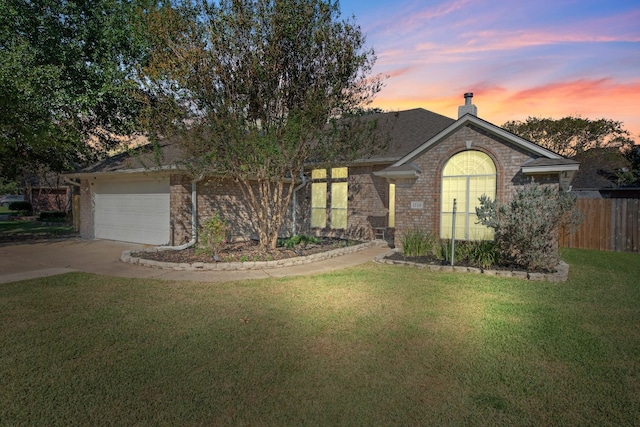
<point>48,192</point>
<point>430,160</point>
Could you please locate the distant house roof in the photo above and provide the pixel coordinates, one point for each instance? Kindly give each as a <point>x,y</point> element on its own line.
<point>597,169</point>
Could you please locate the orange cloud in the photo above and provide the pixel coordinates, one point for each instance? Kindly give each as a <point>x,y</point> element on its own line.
<point>591,98</point>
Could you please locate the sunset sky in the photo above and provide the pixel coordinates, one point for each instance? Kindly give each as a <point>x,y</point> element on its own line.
<point>538,58</point>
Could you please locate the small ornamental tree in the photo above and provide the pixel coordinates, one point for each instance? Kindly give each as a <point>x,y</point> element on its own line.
<point>526,229</point>
<point>255,89</point>
<point>213,235</point>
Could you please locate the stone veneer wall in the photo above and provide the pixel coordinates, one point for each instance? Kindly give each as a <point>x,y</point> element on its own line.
<point>508,159</point>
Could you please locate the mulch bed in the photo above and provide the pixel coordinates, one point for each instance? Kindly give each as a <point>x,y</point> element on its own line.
<point>399,256</point>
<point>244,251</point>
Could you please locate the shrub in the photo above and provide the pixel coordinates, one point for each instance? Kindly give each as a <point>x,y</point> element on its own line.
<point>298,239</point>
<point>213,235</point>
<point>461,250</point>
<point>419,243</point>
<point>24,208</point>
<point>526,229</point>
<point>52,216</point>
<point>483,253</point>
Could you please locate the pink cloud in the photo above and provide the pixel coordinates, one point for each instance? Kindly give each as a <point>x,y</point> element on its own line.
<point>406,21</point>
<point>398,72</point>
<point>591,98</point>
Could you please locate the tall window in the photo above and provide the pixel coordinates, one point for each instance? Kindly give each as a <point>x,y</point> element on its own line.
<point>466,177</point>
<point>319,198</point>
<point>392,205</point>
<point>337,183</point>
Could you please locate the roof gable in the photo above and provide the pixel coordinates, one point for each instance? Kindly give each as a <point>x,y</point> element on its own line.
<point>483,124</point>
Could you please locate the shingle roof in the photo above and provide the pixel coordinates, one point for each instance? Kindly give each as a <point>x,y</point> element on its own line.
<point>598,167</point>
<point>402,130</point>
<point>407,130</point>
<point>165,154</point>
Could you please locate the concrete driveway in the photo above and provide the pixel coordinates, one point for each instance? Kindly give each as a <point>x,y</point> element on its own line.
<point>23,261</point>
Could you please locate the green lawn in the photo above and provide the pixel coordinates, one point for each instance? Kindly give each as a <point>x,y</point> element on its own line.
<point>375,345</point>
<point>33,229</point>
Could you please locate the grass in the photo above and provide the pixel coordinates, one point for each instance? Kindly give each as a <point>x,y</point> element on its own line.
<point>29,228</point>
<point>374,345</point>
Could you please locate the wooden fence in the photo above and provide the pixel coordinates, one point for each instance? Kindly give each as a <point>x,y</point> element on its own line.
<point>609,225</point>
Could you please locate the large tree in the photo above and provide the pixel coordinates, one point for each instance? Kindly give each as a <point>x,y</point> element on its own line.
<point>259,86</point>
<point>571,135</point>
<point>603,145</point>
<point>67,85</point>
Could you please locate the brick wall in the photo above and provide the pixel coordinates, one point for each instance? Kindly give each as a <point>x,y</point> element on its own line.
<point>368,202</point>
<point>368,207</point>
<point>180,205</point>
<point>225,197</point>
<point>368,194</point>
<point>508,159</point>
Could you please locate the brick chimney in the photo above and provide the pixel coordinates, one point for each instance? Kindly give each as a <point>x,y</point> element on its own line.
<point>468,107</point>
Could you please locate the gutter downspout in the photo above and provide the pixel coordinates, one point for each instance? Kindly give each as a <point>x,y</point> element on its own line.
<point>295,202</point>
<point>194,217</point>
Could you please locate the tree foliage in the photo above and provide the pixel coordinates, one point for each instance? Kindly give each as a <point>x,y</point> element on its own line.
<point>526,229</point>
<point>570,135</point>
<point>257,87</point>
<point>67,83</point>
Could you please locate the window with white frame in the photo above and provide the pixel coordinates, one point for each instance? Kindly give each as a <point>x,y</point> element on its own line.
<point>466,176</point>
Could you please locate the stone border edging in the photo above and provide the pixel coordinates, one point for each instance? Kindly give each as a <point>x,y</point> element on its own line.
<point>245,265</point>
<point>561,274</point>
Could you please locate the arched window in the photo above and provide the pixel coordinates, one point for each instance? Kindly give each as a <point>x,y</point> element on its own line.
<point>466,176</point>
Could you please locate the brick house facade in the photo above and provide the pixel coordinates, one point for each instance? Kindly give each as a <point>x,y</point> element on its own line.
<point>387,194</point>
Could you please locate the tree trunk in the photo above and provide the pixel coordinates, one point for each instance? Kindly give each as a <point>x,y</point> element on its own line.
<point>268,204</point>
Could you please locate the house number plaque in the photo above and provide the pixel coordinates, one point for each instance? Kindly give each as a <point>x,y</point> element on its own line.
<point>417,205</point>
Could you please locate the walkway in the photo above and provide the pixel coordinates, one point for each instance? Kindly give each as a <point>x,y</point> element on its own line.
<point>24,261</point>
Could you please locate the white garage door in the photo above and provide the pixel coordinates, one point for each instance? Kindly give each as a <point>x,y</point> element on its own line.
<point>132,211</point>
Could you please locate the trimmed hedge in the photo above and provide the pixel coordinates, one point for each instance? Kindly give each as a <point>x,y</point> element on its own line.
<point>52,216</point>
<point>22,207</point>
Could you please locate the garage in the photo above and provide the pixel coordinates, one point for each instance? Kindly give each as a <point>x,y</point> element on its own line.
<point>135,211</point>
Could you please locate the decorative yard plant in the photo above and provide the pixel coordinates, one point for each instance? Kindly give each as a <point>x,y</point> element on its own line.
<point>417,243</point>
<point>526,229</point>
<point>420,243</point>
<point>298,239</point>
<point>213,235</point>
